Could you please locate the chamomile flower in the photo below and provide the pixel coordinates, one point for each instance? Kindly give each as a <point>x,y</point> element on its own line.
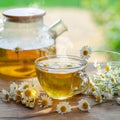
<point>85,52</point>
<point>18,95</point>
<point>63,107</point>
<point>32,104</point>
<point>99,98</point>
<point>30,93</point>
<point>108,95</point>
<point>5,95</point>
<point>29,103</point>
<point>109,88</point>
<point>113,80</point>
<point>84,105</point>
<point>45,101</point>
<point>25,85</point>
<point>101,75</point>
<point>13,88</point>
<point>107,67</point>
<point>118,100</point>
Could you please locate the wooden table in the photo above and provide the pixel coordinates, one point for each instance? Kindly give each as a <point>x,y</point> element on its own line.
<point>15,111</point>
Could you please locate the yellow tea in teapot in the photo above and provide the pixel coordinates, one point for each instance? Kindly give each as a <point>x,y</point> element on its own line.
<point>20,64</point>
<point>59,77</point>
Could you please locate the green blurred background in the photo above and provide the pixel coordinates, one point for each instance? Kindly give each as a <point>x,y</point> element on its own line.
<point>105,13</point>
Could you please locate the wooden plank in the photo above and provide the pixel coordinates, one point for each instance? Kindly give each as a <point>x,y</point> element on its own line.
<point>106,111</point>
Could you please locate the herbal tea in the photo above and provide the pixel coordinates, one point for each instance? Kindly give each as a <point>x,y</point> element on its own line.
<point>59,77</point>
<point>20,64</point>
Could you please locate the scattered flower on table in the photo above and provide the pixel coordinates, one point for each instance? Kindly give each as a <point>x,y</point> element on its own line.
<point>5,95</point>
<point>63,107</point>
<point>45,101</point>
<point>85,52</point>
<point>26,93</point>
<point>84,105</point>
<point>118,100</point>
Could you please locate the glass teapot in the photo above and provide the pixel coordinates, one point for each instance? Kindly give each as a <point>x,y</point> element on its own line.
<point>23,38</point>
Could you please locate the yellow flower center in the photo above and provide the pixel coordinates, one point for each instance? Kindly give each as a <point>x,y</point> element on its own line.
<point>107,68</point>
<point>85,52</point>
<point>25,86</point>
<point>101,87</point>
<point>90,84</point>
<point>98,98</point>
<point>6,96</point>
<point>101,75</point>
<point>44,102</point>
<point>14,88</point>
<point>18,98</point>
<point>30,93</point>
<point>112,80</point>
<point>19,92</point>
<point>63,108</point>
<point>93,89</point>
<point>69,65</point>
<point>85,105</point>
<point>45,65</point>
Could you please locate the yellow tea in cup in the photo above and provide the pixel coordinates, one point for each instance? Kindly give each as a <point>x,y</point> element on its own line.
<point>61,76</point>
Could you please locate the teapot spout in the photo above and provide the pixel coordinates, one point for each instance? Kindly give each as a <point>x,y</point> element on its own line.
<point>57,28</point>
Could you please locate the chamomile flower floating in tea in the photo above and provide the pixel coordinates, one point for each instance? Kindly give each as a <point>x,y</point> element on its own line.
<point>45,101</point>
<point>84,105</point>
<point>63,107</point>
<point>5,95</point>
<point>85,52</point>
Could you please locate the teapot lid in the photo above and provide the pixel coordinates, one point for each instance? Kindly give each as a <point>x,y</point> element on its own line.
<point>24,14</point>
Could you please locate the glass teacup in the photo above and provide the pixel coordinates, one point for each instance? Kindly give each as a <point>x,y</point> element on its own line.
<point>62,76</point>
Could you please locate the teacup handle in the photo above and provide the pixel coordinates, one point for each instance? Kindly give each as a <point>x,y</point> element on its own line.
<point>84,85</point>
